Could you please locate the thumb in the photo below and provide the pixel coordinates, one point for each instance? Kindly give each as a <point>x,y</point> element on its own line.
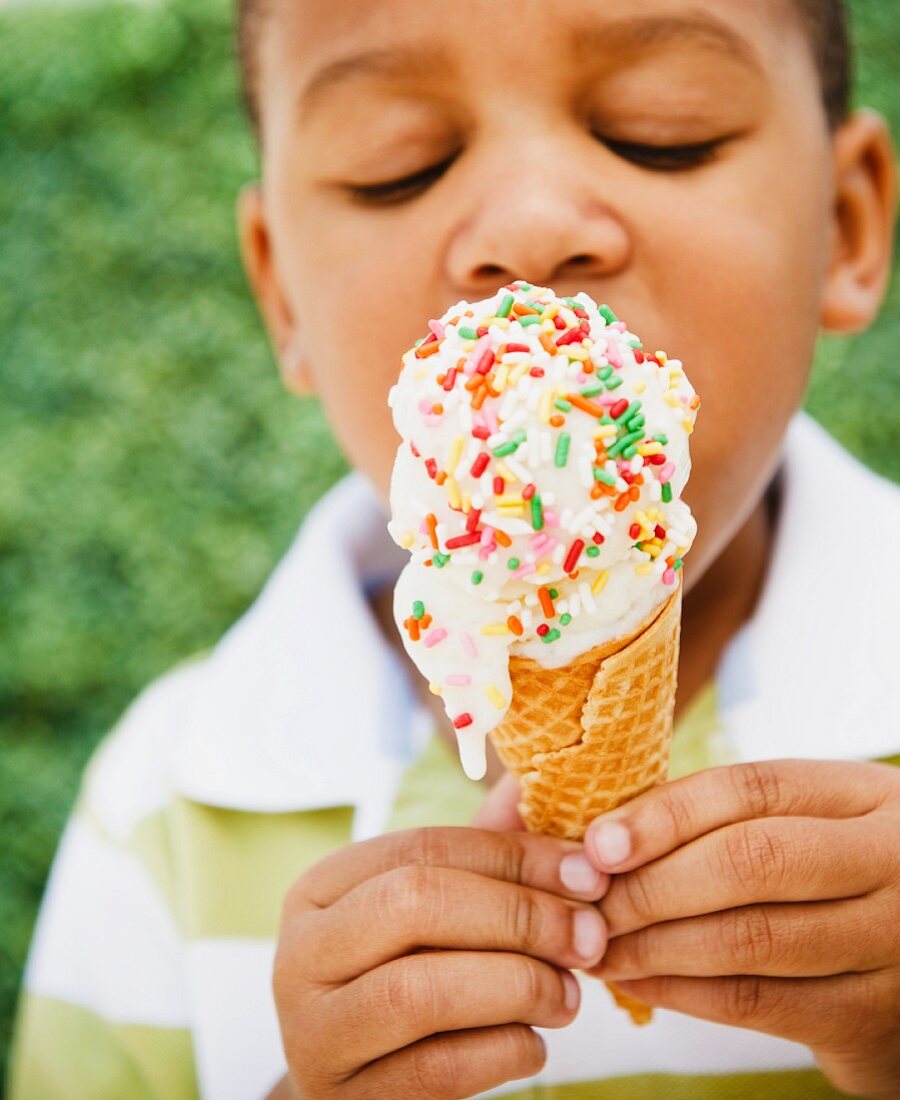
<point>499,812</point>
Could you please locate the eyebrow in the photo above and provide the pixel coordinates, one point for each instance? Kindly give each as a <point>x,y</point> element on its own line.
<point>412,60</point>
<point>659,31</point>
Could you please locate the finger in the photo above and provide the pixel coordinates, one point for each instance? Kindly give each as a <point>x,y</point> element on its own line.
<point>772,859</point>
<point>437,991</point>
<point>782,941</point>
<point>445,1067</point>
<point>500,809</point>
<point>813,1011</point>
<point>438,907</point>
<point>673,814</point>
<point>513,857</point>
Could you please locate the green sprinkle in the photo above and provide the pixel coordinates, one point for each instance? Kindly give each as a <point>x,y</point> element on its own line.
<point>506,449</point>
<point>593,551</point>
<point>605,372</point>
<point>592,390</point>
<point>418,609</point>
<point>419,341</point>
<point>622,442</point>
<point>525,286</point>
<point>636,344</point>
<point>468,333</point>
<point>513,563</point>
<point>633,409</point>
<point>606,419</point>
<point>477,577</point>
<point>607,314</point>
<point>519,437</point>
<point>565,619</point>
<point>554,594</point>
<point>667,493</point>
<point>562,405</point>
<point>601,475</point>
<point>630,451</point>
<point>505,306</point>
<point>562,449</point>
<point>635,422</point>
<point>571,303</point>
<point>678,564</point>
<point>537,513</point>
<point>663,439</point>
<point>639,546</point>
<point>550,636</point>
<point>529,319</point>
<point>440,560</point>
<point>614,382</point>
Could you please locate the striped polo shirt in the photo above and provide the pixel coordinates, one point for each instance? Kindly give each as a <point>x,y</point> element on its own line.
<point>150,970</point>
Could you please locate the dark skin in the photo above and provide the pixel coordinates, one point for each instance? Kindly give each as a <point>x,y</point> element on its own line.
<point>406,147</point>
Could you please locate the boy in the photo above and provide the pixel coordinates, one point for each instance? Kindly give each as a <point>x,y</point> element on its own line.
<point>694,164</point>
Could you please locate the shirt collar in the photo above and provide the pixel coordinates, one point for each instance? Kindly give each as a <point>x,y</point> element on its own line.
<point>303,702</point>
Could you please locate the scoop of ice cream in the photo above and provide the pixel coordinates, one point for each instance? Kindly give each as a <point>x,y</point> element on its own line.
<point>537,488</point>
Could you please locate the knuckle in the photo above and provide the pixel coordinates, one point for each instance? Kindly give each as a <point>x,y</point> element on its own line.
<point>748,938</point>
<point>425,848</point>
<point>435,1069</point>
<point>754,853</point>
<point>524,919</point>
<point>677,809</point>
<point>758,787</point>
<point>745,1000</point>
<point>525,1049</point>
<point>405,896</point>
<point>407,995</point>
<point>638,897</point>
<point>533,990</point>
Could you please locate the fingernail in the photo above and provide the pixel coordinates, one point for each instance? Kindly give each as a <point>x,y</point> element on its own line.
<point>578,874</point>
<point>572,991</point>
<point>611,843</point>
<point>588,933</point>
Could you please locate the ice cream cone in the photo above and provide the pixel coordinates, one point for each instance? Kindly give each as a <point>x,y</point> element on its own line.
<point>587,737</point>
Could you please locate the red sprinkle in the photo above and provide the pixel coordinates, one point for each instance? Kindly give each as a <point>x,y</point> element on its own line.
<point>480,464</point>
<point>450,380</point>
<point>485,362</point>
<point>472,519</point>
<point>431,467</point>
<point>537,372</point>
<point>481,431</point>
<point>659,531</point>
<point>656,460</point>
<point>633,531</point>
<point>412,447</point>
<point>579,312</point>
<point>517,347</point>
<point>558,322</point>
<point>573,336</point>
<point>638,355</point>
<point>459,541</point>
<point>528,492</point>
<point>620,406</point>
<point>499,486</point>
<point>599,539</point>
<point>481,330</point>
<point>462,720</point>
<point>573,555</point>
<point>542,630</point>
<point>627,476</point>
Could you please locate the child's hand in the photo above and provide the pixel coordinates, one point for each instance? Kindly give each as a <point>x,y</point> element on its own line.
<point>766,896</point>
<point>417,963</point>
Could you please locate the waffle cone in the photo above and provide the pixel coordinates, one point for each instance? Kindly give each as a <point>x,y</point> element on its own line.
<point>587,737</point>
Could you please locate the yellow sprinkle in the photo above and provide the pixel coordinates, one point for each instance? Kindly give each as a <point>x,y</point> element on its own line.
<point>510,499</point>
<point>500,379</point>
<point>689,426</point>
<point>600,583</point>
<point>435,689</point>
<point>550,312</point>
<point>605,431</point>
<point>643,570</point>
<point>639,387</point>
<point>650,449</point>
<point>419,375</point>
<point>577,351</point>
<point>455,454</point>
<point>407,539</point>
<point>495,630</point>
<point>671,399</point>
<point>467,502</point>
<point>643,519</point>
<point>653,551</point>
<point>505,472</point>
<point>517,371</point>
<point>662,357</point>
<point>495,697</point>
<point>453,494</point>
<point>511,511</point>
<point>543,567</point>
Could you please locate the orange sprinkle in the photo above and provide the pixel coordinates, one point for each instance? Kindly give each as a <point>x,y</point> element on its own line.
<point>479,396</point>
<point>634,493</point>
<point>423,351</point>
<point>475,382</point>
<point>440,378</point>
<point>412,625</point>
<point>548,343</point>
<point>425,622</point>
<point>440,477</point>
<point>502,538</point>
<point>585,405</point>
<point>623,502</point>
<point>557,421</point>
<point>546,603</point>
<point>437,408</point>
<point>515,625</point>
<point>431,524</point>
<point>588,367</point>
<point>521,310</point>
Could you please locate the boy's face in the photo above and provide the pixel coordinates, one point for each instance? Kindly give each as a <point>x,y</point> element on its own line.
<point>670,157</point>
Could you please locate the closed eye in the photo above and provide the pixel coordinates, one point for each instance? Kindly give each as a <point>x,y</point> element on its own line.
<point>391,192</point>
<point>665,158</point>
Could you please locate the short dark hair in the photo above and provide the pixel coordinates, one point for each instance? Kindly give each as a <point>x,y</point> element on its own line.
<point>826,22</point>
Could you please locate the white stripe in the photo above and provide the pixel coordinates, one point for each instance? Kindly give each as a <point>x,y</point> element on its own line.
<point>237,1042</point>
<point>104,938</point>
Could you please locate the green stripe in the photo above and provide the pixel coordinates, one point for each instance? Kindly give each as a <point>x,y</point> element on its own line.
<point>434,790</point>
<point>233,868</point>
<point>64,1052</point>
<point>777,1085</point>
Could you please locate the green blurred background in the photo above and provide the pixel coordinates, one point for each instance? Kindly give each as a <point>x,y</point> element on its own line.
<point>151,469</point>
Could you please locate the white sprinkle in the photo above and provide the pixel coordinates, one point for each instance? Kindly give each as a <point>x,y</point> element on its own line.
<point>534,448</point>
<point>575,605</point>
<point>546,448</point>
<point>496,439</point>
<point>585,473</point>
<point>565,519</point>
<point>518,469</point>
<point>583,518</point>
<point>587,599</point>
<point>526,618</point>
<point>559,554</point>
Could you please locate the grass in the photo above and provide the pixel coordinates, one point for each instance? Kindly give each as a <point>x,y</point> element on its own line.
<point>152,470</point>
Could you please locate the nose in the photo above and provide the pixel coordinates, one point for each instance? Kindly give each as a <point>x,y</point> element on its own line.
<point>547,223</point>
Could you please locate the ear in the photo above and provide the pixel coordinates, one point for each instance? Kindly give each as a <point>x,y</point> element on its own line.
<point>864,211</point>
<point>257,255</point>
